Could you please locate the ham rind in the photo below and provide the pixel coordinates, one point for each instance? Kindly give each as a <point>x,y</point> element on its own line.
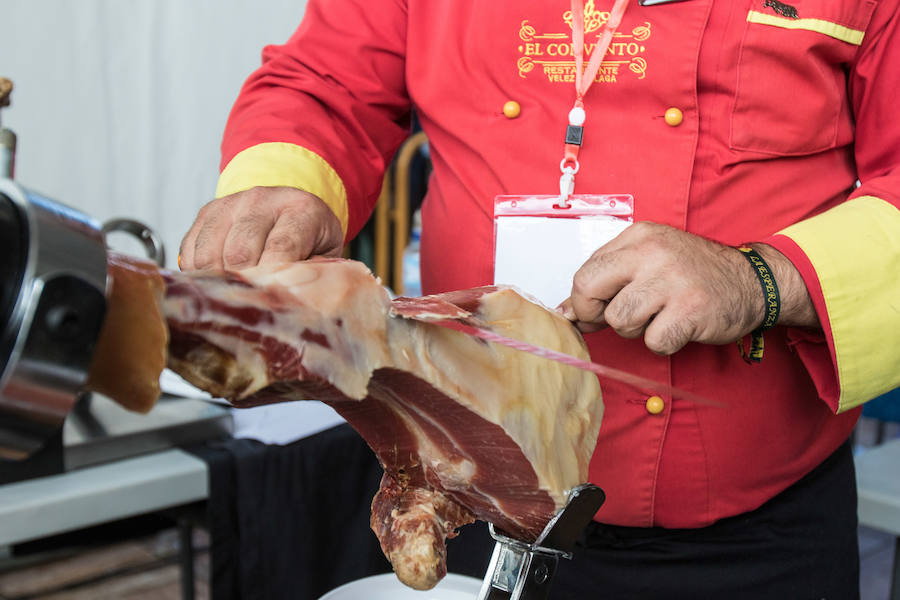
<point>464,428</point>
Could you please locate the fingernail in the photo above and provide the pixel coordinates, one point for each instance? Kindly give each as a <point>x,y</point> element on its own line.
<point>566,311</point>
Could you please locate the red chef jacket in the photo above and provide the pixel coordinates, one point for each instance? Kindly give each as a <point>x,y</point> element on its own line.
<point>781,114</point>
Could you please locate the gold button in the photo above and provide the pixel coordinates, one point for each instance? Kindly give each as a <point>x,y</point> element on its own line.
<point>512,109</point>
<point>674,117</point>
<point>655,405</point>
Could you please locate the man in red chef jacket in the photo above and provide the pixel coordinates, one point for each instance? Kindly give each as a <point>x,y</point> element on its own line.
<point>730,123</point>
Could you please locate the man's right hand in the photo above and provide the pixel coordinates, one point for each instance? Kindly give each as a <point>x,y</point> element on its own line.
<point>261,225</point>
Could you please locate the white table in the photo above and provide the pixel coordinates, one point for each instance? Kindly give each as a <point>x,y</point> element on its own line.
<point>92,495</point>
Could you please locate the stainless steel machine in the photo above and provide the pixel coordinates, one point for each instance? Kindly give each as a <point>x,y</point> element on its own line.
<point>53,287</point>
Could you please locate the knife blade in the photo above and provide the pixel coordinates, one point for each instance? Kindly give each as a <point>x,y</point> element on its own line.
<point>444,315</point>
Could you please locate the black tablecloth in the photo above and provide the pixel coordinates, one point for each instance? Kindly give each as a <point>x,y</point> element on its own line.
<point>292,522</point>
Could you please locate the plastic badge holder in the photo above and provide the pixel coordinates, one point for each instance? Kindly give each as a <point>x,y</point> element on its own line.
<point>539,245</point>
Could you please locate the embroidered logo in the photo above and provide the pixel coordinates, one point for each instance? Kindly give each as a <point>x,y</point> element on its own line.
<point>593,18</point>
<point>785,10</point>
<point>552,55</point>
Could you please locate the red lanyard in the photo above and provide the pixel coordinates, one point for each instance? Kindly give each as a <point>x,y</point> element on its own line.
<point>584,78</point>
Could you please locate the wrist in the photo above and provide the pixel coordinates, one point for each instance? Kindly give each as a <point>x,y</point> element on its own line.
<point>763,290</point>
<point>771,302</point>
<point>797,309</point>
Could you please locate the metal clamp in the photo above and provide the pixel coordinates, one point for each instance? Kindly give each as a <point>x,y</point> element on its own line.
<point>524,571</point>
<point>153,244</point>
<point>567,181</point>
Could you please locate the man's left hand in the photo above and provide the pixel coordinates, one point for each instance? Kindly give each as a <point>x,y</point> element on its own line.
<point>673,287</point>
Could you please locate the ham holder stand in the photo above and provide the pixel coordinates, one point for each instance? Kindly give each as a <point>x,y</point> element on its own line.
<point>524,571</point>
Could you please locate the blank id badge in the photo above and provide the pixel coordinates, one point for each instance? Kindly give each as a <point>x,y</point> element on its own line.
<point>540,244</point>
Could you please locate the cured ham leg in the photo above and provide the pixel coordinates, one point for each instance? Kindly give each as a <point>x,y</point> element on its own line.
<point>464,428</point>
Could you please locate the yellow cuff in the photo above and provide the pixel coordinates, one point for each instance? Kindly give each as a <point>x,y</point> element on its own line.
<point>855,251</point>
<point>274,164</point>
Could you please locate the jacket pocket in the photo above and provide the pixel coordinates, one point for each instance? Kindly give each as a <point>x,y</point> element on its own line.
<point>791,92</point>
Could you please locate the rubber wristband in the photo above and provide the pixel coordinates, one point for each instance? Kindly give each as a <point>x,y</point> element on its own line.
<point>773,305</point>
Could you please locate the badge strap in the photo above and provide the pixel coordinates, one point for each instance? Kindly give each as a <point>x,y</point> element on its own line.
<point>584,78</point>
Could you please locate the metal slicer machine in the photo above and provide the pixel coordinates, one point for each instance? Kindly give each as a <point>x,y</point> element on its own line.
<point>53,287</point>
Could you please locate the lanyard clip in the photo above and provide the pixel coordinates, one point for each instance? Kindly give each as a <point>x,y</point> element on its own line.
<point>567,181</point>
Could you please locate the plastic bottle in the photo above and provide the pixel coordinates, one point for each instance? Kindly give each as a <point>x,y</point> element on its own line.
<point>412,278</point>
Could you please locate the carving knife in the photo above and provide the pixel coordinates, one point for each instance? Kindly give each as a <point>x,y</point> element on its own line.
<point>445,314</point>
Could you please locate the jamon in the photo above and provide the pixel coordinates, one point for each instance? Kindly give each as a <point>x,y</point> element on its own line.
<point>465,429</point>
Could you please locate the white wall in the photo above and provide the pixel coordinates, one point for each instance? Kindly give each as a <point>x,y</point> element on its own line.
<point>119,105</point>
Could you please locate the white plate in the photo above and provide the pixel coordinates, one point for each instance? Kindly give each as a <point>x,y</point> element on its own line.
<point>388,587</point>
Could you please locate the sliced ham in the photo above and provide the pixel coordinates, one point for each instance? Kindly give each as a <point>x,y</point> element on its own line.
<point>464,429</point>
